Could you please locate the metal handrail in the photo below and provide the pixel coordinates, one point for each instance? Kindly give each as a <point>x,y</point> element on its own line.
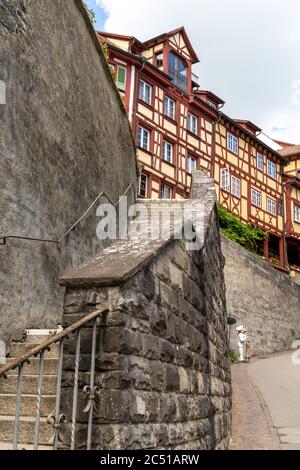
<point>57,420</point>
<point>3,239</point>
<point>50,342</point>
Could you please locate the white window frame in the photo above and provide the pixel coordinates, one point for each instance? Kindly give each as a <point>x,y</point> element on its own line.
<point>260,161</point>
<point>144,133</point>
<point>121,85</point>
<point>232,143</point>
<point>143,95</point>
<point>146,183</point>
<point>190,158</point>
<point>235,186</point>
<point>159,57</point>
<point>169,107</point>
<point>192,123</point>
<point>271,207</point>
<point>271,169</point>
<point>297,213</point>
<point>166,155</point>
<point>225,180</point>
<point>165,187</point>
<point>256,198</point>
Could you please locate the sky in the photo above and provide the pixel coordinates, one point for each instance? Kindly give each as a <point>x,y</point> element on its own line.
<point>249,51</point>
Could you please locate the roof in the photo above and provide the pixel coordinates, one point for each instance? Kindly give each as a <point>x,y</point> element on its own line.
<point>249,124</point>
<point>290,151</point>
<point>165,36</point>
<point>211,95</point>
<point>283,144</point>
<point>131,39</point>
<point>254,137</point>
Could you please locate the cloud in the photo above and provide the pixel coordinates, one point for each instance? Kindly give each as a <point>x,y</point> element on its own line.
<point>278,129</point>
<point>249,51</point>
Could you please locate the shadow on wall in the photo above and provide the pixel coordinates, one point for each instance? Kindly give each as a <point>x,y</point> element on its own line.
<point>64,138</point>
<point>262,299</point>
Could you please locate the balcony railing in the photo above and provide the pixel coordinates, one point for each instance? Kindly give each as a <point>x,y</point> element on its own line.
<point>179,79</point>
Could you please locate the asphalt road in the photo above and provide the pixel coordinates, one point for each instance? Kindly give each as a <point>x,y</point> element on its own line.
<point>278,380</point>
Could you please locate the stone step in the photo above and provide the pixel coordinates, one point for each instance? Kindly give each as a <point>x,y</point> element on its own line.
<point>39,336</point>
<point>19,349</point>
<point>26,433</point>
<point>50,367</point>
<point>30,384</point>
<point>8,446</point>
<point>28,405</point>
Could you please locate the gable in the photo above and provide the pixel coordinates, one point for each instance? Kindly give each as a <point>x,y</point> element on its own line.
<point>178,43</point>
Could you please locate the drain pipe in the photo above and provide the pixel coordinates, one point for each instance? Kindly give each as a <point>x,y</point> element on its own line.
<point>135,97</point>
<point>213,160</point>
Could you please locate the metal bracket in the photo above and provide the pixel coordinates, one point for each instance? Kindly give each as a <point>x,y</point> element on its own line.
<point>92,396</point>
<point>57,426</point>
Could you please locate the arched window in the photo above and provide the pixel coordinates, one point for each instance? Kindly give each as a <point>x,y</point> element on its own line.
<point>178,71</point>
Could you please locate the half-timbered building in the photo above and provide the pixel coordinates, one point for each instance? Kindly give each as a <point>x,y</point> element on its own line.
<point>179,127</point>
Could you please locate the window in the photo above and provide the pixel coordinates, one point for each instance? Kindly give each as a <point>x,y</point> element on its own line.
<point>145,92</point>
<point>165,192</point>
<point>280,208</point>
<point>297,214</point>
<point>143,185</point>
<point>177,70</point>
<point>271,206</point>
<point>271,169</point>
<point>160,60</point>
<point>192,164</point>
<point>143,138</point>
<point>235,186</point>
<point>211,104</point>
<point>259,161</point>
<point>256,197</point>
<point>112,69</point>
<point>225,180</point>
<point>192,123</point>
<point>169,107</point>
<point>167,151</point>
<point>121,77</point>
<point>232,143</point>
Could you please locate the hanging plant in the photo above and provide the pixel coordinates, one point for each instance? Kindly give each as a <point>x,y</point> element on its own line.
<point>245,235</point>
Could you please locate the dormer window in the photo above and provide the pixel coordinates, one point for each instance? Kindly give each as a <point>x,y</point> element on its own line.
<point>211,104</point>
<point>160,60</point>
<point>178,71</point>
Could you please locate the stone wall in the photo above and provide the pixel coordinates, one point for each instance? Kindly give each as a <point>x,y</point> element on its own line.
<point>162,361</point>
<point>64,138</point>
<point>262,299</point>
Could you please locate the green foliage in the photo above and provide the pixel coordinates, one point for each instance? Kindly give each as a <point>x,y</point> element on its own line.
<point>91,13</point>
<point>233,357</point>
<point>244,234</point>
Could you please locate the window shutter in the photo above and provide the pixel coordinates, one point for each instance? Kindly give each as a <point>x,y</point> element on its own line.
<point>225,184</point>
<point>121,78</point>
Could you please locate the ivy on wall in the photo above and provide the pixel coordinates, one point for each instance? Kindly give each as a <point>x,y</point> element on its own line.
<point>91,13</point>
<point>244,234</point>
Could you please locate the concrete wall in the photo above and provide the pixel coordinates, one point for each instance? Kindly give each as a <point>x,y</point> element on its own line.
<point>262,299</point>
<point>64,138</point>
<point>162,363</point>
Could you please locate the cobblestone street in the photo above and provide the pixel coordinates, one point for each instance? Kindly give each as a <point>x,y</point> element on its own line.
<point>266,405</point>
<point>252,428</point>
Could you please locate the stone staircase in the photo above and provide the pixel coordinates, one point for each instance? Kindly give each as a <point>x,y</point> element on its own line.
<point>8,389</point>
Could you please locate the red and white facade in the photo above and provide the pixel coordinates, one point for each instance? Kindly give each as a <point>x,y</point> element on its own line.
<point>179,127</point>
